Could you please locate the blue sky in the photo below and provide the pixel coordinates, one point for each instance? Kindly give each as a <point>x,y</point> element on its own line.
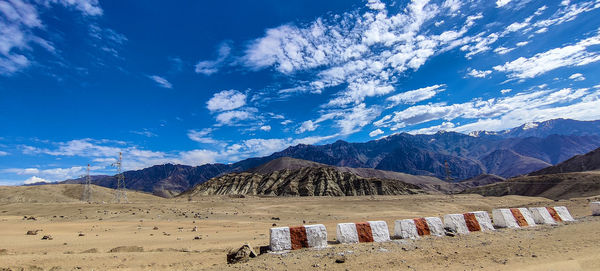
<point>198,82</point>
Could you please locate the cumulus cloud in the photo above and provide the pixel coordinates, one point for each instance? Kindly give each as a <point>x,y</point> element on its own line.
<point>506,90</point>
<point>35,179</point>
<point>307,126</point>
<point>568,56</point>
<point>365,52</point>
<point>577,77</point>
<point>202,136</point>
<point>232,117</point>
<point>161,81</point>
<point>376,132</point>
<point>501,3</point>
<point>265,128</point>
<point>478,73</point>
<point>519,108</point>
<point>226,100</point>
<point>415,96</point>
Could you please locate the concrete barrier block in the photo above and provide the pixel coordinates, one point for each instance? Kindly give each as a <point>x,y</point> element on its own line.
<point>380,231</point>
<point>484,220</point>
<point>436,227</point>
<point>542,216</point>
<point>346,233</point>
<point>280,239</point>
<point>564,214</point>
<point>503,218</point>
<point>316,236</point>
<point>406,229</point>
<point>527,216</point>
<point>456,222</point>
<point>595,207</point>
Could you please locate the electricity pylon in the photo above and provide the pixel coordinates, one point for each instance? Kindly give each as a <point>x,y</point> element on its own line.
<point>120,192</point>
<point>87,187</point>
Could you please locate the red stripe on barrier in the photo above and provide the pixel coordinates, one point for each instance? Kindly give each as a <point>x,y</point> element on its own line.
<point>554,214</point>
<point>519,217</point>
<point>422,226</point>
<point>472,223</point>
<point>298,237</point>
<point>365,234</point>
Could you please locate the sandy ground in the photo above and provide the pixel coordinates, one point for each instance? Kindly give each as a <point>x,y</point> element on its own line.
<point>224,223</point>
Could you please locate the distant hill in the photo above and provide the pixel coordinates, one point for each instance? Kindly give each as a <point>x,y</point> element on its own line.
<point>58,193</point>
<point>578,163</point>
<point>507,154</point>
<point>307,181</point>
<point>576,177</point>
<point>552,186</point>
<point>483,179</point>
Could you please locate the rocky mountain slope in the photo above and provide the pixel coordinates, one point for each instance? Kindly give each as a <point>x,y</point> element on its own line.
<point>307,181</point>
<point>586,162</point>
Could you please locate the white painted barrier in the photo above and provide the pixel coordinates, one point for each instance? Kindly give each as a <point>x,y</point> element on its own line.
<point>595,207</point>
<point>542,216</point>
<point>513,218</point>
<point>370,231</point>
<point>469,222</point>
<point>551,215</point>
<point>290,238</point>
<point>414,228</point>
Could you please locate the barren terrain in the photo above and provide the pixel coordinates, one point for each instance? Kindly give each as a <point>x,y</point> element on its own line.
<point>157,234</point>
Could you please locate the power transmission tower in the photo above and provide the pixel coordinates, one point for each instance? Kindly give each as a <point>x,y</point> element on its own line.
<point>448,177</point>
<point>87,187</point>
<point>120,192</point>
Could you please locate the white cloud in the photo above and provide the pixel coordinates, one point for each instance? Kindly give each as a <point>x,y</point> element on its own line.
<point>202,136</point>
<point>506,90</point>
<point>35,179</point>
<point>307,126</point>
<point>501,3</point>
<point>161,81</point>
<point>208,67</point>
<point>568,56</point>
<point>519,108</point>
<point>503,50</point>
<point>232,117</point>
<point>522,43</point>
<point>226,100</point>
<point>417,95</point>
<point>376,132</point>
<point>478,73</point>
<point>364,52</point>
<point>577,77</point>
<point>286,122</point>
<point>265,128</point>
<point>20,24</point>
<point>3,153</point>
<point>445,126</point>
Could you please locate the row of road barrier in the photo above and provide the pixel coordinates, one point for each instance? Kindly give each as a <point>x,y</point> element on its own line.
<point>315,236</point>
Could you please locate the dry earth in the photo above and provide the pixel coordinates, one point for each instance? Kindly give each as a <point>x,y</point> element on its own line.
<point>224,223</point>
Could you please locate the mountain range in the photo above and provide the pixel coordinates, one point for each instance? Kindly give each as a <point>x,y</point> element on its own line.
<point>449,156</point>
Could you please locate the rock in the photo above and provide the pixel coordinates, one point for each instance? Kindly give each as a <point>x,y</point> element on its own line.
<point>340,259</point>
<point>195,229</point>
<point>32,232</point>
<point>449,232</point>
<point>243,254</point>
<point>3,251</point>
<point>47,237</point>
<point>197,238</point>
<point>155,228</point>
<point>275,218</point>
<point>81,234</point>
<point>127,249</point>
<point>91,250</point>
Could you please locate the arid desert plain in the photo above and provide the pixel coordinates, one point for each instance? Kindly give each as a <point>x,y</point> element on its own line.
<point>152,233</point>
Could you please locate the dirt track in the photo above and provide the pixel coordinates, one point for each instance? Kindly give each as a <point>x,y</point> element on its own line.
<point>225,223</point>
